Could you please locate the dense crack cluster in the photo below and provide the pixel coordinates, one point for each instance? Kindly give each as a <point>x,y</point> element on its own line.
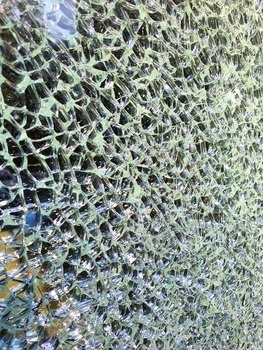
<point>130,169</point>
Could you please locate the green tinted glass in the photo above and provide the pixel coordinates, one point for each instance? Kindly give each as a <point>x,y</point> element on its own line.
<point>131,173</point>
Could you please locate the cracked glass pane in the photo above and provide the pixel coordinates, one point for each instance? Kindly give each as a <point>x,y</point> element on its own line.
<point>130,174</point>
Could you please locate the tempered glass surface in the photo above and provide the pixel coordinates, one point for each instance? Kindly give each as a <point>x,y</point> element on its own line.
<point>131,175</point>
